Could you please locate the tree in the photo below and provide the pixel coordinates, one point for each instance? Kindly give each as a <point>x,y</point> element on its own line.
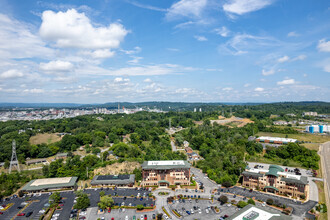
<point>83,201</point>
<point>223,199</point>
<point>251,201</point>
<point>105,202</point>
<point>54,198</point>
<point>102,193</point>
<point>270,201</point>
<point>241,204</point>
<point>139,207</point>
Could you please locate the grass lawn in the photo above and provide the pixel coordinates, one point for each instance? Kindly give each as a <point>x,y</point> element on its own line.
<point>320,187</point>
<point>311,146</point>
<point>44,138</point>
<point>314,138</point>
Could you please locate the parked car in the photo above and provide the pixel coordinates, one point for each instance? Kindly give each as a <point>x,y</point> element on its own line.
<point>21,214</point>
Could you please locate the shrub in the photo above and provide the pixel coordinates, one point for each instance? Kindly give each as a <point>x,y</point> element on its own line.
<point>241,204</point>
<point>270,202</point>
<point>251,201</point>
<point>139,207</point>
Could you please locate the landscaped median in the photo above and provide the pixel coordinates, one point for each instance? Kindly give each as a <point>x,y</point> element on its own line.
<point>164,210</point>
<point>176,213</point>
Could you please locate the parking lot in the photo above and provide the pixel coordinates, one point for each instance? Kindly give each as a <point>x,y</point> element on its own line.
<point>117,214</point>
<point>202,209</point>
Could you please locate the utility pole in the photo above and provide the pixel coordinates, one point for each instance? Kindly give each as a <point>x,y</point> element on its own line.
<point>169,124</point>
<point>14,161</point>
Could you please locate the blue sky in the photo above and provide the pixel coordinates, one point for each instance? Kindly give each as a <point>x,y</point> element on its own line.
<point>147,50</point>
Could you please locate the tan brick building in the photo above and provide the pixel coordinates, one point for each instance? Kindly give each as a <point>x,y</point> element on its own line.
<point>165,173</point>
<point>275,180</point>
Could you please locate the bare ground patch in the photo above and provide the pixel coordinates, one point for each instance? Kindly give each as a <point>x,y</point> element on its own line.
<point>44,138</point>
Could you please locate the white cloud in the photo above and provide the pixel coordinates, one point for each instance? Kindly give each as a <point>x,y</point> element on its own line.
<point>223,31</point>
<point>227,89</point>
<point>247,84</point>
<point>324,46</point>
<point>120,79</point>
<point>18,40</point>
<point>99,54</point>
<point>72,29</point>
<point>293,34</point>
<point>286,82</point>
<point>283,59</point>
<point>300,57</point>
<point>200,38</point>
<point>242,43</point>
<point>269,72</point>
<point>259,89</point>
<point>34,90</point>
<point>134,51</point>
<point>12,73</point>
<point>56,66</point>
<point>326,65</point>
<point>186,8</point>
<point>147,80</point>
<point>241,7</point>
<point>135,60</point>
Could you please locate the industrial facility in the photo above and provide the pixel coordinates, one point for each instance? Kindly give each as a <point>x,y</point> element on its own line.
<point>318,129</point>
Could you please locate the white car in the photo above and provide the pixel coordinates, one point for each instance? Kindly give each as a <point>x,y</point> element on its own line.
<point>192,211</point>
<point>82,213</point>
<point>199,211</point>
<point>123,210</point>
<point>126,218</point>
<point>141,217</point>
<point>207,211</point>
<point>165,216</point>
<point>56,215</point>
<point>42,211</point>
<point>263,204</point>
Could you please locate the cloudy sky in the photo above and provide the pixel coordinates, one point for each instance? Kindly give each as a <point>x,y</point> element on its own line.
<point>181,50</point>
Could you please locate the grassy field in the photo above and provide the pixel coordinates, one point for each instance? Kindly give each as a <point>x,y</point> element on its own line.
<point>314,138</point>
<point>44,138</point>
<point>320,187</point>
<point>311,146</point>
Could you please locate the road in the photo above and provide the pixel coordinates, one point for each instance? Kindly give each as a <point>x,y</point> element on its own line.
<point>325,159</point>
<point>173,146</point>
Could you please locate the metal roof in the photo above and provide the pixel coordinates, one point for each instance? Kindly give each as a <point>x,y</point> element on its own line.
<point>113,179</point>
<point>30,187</point>
<point>271,187</point>
<point>147,165</point>
<point>274,169</point>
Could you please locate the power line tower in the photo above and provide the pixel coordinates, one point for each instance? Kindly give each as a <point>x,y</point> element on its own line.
<point>14,161</point>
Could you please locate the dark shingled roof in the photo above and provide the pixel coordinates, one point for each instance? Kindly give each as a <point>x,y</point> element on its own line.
<point>113,179</point>
<point>247,173</point>
<point>303,180</point>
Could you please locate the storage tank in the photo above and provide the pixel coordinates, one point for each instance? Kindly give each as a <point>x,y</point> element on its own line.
<point>311,129</point>
<point>321,128</point>
<point>316,128</point>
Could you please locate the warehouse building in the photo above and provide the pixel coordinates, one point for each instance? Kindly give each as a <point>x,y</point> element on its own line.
<point>113,180</point>
<point>275,140</point>
<point>165,173</point>
<point>49,184</point>
<point>276,181</point>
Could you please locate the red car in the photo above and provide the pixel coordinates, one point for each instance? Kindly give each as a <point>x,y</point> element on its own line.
<point>20,214</point>
<point>112,218</point>
<point>109,210</point>
<point>61,204</point>
<point>1,213</point>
